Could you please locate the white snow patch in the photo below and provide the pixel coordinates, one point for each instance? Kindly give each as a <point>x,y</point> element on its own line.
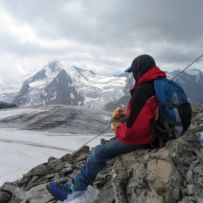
<point>106,118</point>
<point>90,100</point>
<point>18,159</point>
<point>21,150</point>
<point>72,96</point>
<point>89,196</point>
<point>54,96</point>
<point>38,84</point>
<point>43,102</point>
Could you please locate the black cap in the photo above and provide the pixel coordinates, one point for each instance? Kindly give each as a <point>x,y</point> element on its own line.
<point>140,65</point>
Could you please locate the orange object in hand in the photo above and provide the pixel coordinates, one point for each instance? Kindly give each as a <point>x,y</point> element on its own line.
<point>118,113</point>
<point>115,125</point>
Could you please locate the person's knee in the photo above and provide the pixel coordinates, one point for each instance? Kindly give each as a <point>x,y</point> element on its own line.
<point>98,151</point>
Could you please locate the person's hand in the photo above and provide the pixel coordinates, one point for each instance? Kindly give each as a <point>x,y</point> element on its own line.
<point>118,117</point>
<point>118,113</point>
<point>115,125</point>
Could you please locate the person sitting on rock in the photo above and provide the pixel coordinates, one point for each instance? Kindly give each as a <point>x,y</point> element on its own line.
<point>131,133</point>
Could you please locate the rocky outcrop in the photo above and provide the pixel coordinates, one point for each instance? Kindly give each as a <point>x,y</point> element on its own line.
<point>171,174</point>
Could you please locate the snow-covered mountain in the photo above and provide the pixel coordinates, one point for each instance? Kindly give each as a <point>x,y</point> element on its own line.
<point>97,90</point>
<point>56,84</point>
<point>51,85</point>
<point>192,82</point>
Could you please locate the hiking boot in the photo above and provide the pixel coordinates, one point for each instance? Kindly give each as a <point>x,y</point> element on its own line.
<point>61,191</point>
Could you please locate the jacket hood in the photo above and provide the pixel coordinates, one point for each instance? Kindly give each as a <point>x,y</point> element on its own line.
<point>141,64</point>
<point>152,74</point>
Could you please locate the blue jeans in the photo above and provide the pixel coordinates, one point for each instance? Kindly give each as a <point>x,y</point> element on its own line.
<point>97,161</point>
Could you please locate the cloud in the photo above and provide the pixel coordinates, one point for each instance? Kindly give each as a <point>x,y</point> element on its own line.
<point>102,35</point>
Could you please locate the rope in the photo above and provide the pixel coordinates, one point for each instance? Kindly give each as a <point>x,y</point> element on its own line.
<point>95,137</point>
<point>172,79</point>
<point>187,67</point>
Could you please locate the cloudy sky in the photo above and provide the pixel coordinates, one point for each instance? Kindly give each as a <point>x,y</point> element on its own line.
<point>103,36</point>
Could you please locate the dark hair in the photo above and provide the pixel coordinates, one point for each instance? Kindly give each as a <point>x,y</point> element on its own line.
<point>141,65</point>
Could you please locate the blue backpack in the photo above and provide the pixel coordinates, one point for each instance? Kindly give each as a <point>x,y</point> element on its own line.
<point>174,113</point>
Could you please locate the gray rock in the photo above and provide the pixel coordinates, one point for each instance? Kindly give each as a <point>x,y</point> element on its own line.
<point>40,170</point>
<point>56,177</point>
<point>79,152</point>
<point>200,200</point>
<point>67,171</point>
<point>200,181</point>
<point>189,176</point>
<point>190,189</point>
<point>50,176</point>
<point>187,199</point>
<point>55,165</point>
<point>197,170</point>
<point>66,157</point>
<point>5,196</point>
<point>51,158</point>
<point>81,158</point>
<point>106,195</point>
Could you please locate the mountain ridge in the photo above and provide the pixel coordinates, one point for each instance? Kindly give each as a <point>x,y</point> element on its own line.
<point>78,86</point>
<point>58,84</point>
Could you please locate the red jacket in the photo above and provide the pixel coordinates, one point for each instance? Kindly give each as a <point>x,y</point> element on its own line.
<point>141,111</point>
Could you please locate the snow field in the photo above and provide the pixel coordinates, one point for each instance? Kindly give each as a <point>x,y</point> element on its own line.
<point>21,150</point>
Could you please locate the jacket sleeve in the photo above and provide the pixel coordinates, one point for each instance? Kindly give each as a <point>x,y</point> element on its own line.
<point>138,101</point>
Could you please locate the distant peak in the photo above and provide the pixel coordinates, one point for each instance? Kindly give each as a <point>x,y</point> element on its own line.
<point>54,65</point>
<point>81,70</point>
